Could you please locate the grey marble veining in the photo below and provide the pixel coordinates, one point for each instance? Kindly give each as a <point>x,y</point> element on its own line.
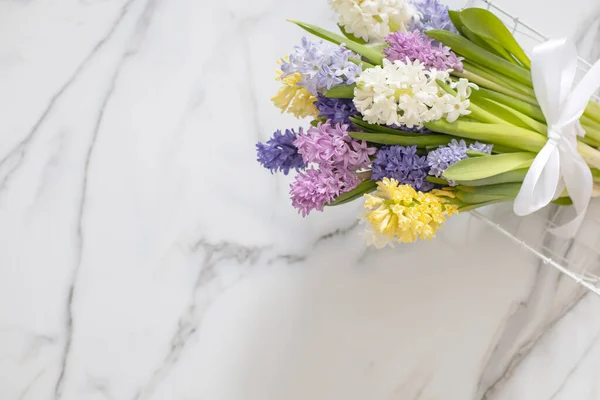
<point>145,255</point>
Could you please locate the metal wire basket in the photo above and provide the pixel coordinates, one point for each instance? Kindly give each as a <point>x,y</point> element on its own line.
<point>579,257</point>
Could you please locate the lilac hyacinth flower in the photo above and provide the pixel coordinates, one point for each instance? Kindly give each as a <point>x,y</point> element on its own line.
<point>331,146</point>
<point>316,187</point>
<point>338,156</point>
<point>279,153</point>
<point>322,65</point>
<point>416,46</point>
<point>433,15</point>
<point>337,111</point>
<point>404,165</point>
<point>443,157</point>
<point>481,147</point>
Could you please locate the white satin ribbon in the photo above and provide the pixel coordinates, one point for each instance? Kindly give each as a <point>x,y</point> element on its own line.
<point>559,164</point>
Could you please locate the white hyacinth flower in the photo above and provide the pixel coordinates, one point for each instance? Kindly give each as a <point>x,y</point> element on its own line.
<point>406,93</point>
<point>372,20</point>
<point>456,107</point>
<point>464,87</point>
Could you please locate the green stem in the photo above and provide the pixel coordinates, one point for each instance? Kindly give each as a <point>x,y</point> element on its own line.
<point>529,109</point>
<point>506,135</point>
<point>341,92</point>
<point>358,61</point>
<point>498,78</point>
<point>472,52</point>
<point>588,140</point>
<point>592,134</point>
<point>589,154</point>
<point>593,111</point>
<point>486,83</point>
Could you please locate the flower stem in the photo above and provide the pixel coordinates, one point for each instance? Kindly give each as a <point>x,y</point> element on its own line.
<point>498,78</point>
<point>486,83</point>
<point>589,154</point>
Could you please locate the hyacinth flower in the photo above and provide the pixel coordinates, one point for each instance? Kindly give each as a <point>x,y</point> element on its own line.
<point>338,158</point>
<point>399,213</point>
<point>321,64</point>
<point>417,46</point>
<point>336,111</point>
<point>316,187</point>
<point>372,20</point>
<point>293,98</point>
<point>407,93</point>
<point>280,154</point>
<point>431,14</point>
<point>440,159</point>
<point>403,164</point>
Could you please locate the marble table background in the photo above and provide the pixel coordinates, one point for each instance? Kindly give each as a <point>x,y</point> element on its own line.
<point>144,255</point>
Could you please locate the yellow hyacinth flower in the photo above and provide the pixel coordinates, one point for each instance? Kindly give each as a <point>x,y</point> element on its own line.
<point>293,98</point>
<point>400,213</point>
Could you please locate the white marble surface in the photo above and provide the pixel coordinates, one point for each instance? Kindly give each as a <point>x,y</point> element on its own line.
<point>144,255</point>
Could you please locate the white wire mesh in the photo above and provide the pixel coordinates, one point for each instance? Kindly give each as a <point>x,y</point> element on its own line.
<point>579,257</point>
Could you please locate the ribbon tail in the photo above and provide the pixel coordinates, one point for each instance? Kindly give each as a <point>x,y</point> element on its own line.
<point>579,183</point>
<point>539,185</point>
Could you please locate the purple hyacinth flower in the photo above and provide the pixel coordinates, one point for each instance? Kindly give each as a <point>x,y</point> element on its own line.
<point>416,46</point>
<point>404,165</point>
<point>316,187</point>
<point>279,153</point>
<point>331,145</point>
<point>337,111</point>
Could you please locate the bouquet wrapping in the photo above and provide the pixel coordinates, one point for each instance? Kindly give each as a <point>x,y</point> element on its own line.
<point>424,112</point>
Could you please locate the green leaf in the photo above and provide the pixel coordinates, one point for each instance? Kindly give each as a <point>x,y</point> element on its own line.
<point>341,92</point>
<point>351,36</point>
<point>563,201</point>
<point>475,198</point>
<point>472,52</point>
<point>482,194</point>
<point>517,175</point>
<point>455,18</point>
<point>373,55</point>
<point>437,181</point>
<point>592,129</point>
<point>471,169</point>
<point>510,115</point>
<point>388,139</point>
<point>497,134</point>
<point>374,128</point>
<point>504,149</point>
<point>488,84</point>
<point>471,207</point>
<point>531,110</point>
<point>500,79</point>
<point>362,188</point>
<point>359,61</point>
<point>475,153</point>
<point>489,27</point>
<point>469,34</point>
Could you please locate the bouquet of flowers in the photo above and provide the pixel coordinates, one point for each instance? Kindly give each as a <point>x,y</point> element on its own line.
<point>425,112</point>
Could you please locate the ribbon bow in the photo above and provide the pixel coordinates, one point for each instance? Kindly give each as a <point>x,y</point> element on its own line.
<point>559,164</point>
